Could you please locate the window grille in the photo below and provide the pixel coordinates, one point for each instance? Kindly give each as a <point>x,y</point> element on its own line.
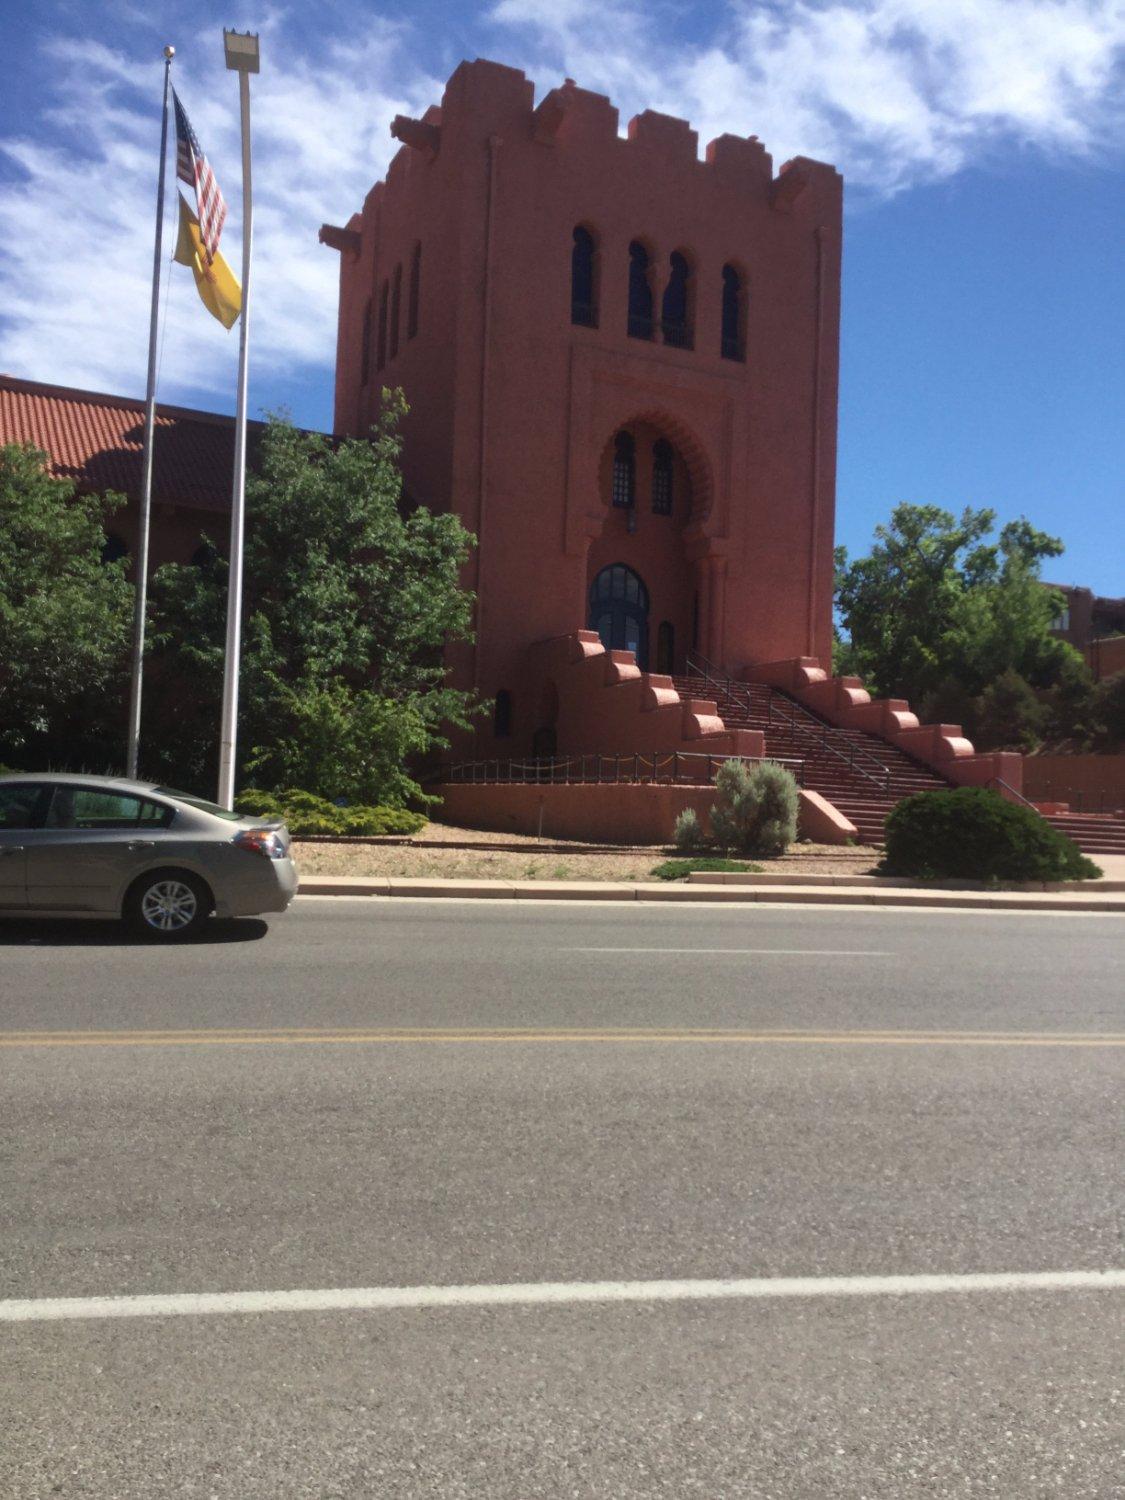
<point>583,309</point>
<point>624,471</point>
<point>662,489</point>
<point>732,345</point>
<point>640,293</point>
<point>674,309</point>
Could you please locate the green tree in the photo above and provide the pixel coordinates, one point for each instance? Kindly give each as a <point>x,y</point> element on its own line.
<point>935,602</point>
<point>64,616</point>
<point>348,605</point>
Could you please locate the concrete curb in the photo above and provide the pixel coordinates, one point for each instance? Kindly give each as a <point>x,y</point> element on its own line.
<point>606,890</point>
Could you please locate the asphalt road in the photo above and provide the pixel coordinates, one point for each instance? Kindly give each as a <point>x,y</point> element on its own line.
<point>390,1094</point>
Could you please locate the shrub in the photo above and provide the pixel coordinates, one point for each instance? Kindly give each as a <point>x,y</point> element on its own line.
<point>973,834</point>
<point>756,809</point>
<point>687,834</point>
<point>305,814</point>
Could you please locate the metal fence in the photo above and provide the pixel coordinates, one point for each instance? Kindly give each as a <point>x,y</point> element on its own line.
<point>656,768</point>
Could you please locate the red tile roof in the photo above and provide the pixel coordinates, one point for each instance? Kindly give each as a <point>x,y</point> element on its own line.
<point>98,441</point>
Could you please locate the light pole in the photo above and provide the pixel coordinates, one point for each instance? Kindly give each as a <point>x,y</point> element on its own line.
<point>241,57</point>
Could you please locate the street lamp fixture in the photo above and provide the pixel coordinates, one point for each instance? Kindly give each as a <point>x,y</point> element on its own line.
<point>241,49</point>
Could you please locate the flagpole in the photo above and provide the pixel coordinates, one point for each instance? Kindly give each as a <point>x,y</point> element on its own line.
<point>241,56</point>
<point>140,587</point>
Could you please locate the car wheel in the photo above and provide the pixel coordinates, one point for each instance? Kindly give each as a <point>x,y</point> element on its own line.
<point>168,904</point>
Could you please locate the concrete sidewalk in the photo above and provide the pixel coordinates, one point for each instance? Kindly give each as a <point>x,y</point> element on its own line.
<point>820,890</point>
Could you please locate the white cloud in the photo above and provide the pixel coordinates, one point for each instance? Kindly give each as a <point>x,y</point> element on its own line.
<point>894,91</point>
<point>76,216</point>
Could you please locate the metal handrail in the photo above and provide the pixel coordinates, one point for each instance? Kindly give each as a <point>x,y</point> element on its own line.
<point>668,768</point>
<point>998,781</point>
<point>821,732</point>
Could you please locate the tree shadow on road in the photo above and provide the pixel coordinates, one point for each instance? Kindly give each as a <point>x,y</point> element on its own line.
<point>17,932</point>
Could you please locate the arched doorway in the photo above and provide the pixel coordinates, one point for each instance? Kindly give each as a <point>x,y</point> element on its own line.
<point>619,611</point>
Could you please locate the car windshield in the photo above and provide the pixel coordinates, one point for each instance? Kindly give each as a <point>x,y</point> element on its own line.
<point>203,806</point>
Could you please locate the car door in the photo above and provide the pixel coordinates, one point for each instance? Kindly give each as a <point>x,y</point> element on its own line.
<point>93,840</point>
<point>21,811</point>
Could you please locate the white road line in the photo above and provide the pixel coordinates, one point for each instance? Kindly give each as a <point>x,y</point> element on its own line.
<point>382,1298</point>
<point>781,952</point>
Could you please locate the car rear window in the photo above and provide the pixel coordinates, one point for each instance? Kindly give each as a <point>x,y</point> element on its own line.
<point>102,808</point>
<point>208,807</point>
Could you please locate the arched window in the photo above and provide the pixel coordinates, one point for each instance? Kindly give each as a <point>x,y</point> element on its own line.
<point>619,611</point>
<point>502,715</point>
<point>640,293</point>
<point>415,292</point>
<point>732,346</point>
<point>665,647</point>
<point>662,491</point>
<point>674,310</point>
<point>624,470</point>
<point>365,346</point>
<point>396,305</point>
<point>381,342</point>
<point>115,548</point>
<point>583,308</point>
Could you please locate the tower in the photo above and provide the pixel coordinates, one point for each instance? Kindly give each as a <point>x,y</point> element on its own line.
<point>621,362</point>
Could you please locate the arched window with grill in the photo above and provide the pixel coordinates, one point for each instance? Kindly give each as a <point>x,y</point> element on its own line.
<point>396,306</point>
<point>640,293</point>
<point>415,292</point>
<point>732,346</point>
<point>381,341</point>
<point>583,293</point>
<point>365,346</point>
<point>662,485</point>
<point>624,470</point>
<point>674,311</point>
<point>619,611</point>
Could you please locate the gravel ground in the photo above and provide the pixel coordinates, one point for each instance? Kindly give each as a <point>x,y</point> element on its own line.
<point>534,862</point>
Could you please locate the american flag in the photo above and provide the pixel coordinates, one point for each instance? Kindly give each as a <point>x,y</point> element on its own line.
<point>193,168</point>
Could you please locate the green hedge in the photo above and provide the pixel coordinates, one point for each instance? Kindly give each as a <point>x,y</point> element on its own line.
<point>973,834</point>
<point>308,814</point>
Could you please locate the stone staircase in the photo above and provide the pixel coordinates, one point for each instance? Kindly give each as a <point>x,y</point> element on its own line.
<point>859,773</point>
<point>1094,833</point>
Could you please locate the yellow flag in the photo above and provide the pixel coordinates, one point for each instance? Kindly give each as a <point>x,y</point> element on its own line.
<point>221,293</point>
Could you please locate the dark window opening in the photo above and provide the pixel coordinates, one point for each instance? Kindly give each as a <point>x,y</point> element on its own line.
<point>115,548</point>
<point>665,648</point>
<point>583,309</point>
<point>365,346</point>
<point>415,292</point>
<point>619,611</point>
<point>640,293</point>
<point>674,309</point>
<point>732,346</point>
<point>204,556</point>
<point>381,342</point>
<point>396,304</point>
<point>662,491</point>
<point>502,715</point>
<point>624,470</point>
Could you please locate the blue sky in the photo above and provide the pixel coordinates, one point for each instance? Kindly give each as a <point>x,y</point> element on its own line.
<point>980,140</point>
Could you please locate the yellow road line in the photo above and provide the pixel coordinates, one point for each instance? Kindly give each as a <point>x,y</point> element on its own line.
<point>522,1036</point>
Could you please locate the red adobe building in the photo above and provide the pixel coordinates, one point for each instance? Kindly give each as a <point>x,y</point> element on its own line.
<point>621,363</point>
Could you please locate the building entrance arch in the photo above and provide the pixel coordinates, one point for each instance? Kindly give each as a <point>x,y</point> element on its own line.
<point>619,611</point>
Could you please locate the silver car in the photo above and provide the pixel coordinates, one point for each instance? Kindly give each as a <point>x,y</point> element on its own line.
<point>100,846</point>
